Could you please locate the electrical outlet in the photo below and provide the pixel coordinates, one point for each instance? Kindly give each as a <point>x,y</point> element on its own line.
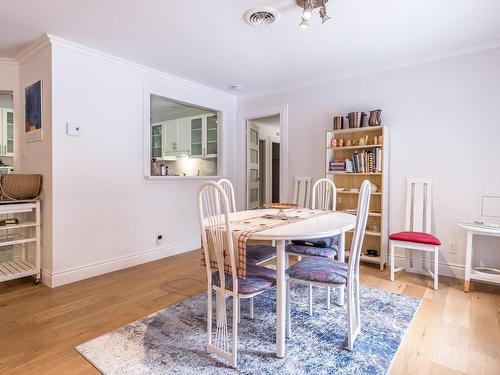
<point>159,238</point>
<point>453,248</point>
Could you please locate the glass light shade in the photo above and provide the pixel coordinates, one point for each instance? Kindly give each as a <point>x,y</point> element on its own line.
<point>304,24</point>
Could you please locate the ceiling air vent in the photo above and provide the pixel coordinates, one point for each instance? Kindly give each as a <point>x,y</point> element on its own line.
<point>261,16</point>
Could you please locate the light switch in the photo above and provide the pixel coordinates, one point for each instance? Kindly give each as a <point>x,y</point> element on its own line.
<point>73,129</point>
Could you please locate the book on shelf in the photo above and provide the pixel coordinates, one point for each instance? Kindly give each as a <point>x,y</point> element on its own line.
<point>337,166</point>
<point>367,161</point>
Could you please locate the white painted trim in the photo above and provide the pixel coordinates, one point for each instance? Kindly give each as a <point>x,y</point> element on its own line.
<point>240,152</point>
<point>55,40</point>
<point>8,61</point>
<point>180,179</point>
<point>446,269</point>
<point>99,268</point>
<point>382,68</point>
<point>38,45</point>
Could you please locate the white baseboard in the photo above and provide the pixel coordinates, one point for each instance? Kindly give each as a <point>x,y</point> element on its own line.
<point>446,269</point>
<point>59,278</point>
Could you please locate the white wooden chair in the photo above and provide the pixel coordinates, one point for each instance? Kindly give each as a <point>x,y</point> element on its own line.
<point>324,197</point>
<point>417,239</point>
<point>213,210</point>
<point>330,273</point>
<point>256,254</point>
<point>228,188</point>
<point>302,191</point>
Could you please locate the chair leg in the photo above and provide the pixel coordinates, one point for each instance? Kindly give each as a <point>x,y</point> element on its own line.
<point>392,261</point>
<point>436,264</point>
<point>288,312</point>
<point>236,320</point>
<point>237,301</point>
<point>350,318</point>
<point>310,299</point>
<point>328,298</point>
<point>251,308</point>
<point>209,318</point>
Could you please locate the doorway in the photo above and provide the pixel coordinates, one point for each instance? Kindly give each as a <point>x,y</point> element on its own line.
<point>263,161</point>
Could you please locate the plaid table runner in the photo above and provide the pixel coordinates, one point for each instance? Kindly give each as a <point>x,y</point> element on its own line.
<point>243,229</point>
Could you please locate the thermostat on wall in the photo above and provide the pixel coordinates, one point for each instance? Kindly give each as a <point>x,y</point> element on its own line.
<point>72,129</point>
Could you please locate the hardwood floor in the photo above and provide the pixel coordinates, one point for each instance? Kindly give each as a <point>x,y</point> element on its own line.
<point>453,332</point>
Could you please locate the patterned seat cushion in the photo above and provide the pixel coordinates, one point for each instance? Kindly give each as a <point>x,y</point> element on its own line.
<point>323,270</point>
<point>258,279</point>
<point>319,242</point>
<point>260,253</point>
<point>262,272</point>
<point>326,252</point>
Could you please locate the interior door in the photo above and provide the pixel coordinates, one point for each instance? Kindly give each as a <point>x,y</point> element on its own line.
<point>252,167</point>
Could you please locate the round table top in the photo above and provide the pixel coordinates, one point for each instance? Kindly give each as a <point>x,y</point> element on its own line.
<point>320,226</point>
<point>479,228</point>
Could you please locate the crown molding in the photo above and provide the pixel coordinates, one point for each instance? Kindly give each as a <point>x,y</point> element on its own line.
<point>55,40</point>
<point>477,48</point>
<point>8,61</point>
<point>38,45</point>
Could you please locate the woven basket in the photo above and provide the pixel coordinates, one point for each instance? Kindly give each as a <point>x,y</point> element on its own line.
<point>20,186</point>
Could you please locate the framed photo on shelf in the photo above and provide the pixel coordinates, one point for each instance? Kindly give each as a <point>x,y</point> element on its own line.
<point>33,112</point>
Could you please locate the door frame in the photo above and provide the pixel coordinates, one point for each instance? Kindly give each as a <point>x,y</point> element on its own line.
<point>241,158</point>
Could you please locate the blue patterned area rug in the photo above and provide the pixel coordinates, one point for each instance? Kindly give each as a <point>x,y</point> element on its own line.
<point>172,341</point>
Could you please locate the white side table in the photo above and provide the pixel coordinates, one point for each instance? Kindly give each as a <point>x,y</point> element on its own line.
<point>475,274</point>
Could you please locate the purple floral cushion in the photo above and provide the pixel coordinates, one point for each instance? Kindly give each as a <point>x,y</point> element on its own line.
<point>262,272</point>
<point>260,253</point>
<point>319,242</point>
<point>323,270</point>
<point>326,252</point>
<point>258,279</point>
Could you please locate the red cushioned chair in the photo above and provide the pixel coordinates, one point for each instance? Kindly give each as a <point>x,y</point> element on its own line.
<point>417,239</point>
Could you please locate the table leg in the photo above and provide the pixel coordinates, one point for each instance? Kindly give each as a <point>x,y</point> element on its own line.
<point>341,258</point>
<point>280,298</point>
<point>468,261</point>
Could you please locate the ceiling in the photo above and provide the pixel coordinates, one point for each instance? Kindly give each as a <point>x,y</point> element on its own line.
<point>208,41</point>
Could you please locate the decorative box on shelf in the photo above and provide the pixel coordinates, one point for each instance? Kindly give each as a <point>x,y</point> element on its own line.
<point>19,240</point>
<point>354,155</point>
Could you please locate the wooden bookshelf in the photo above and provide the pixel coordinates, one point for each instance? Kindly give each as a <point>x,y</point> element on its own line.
<point>376,235</point>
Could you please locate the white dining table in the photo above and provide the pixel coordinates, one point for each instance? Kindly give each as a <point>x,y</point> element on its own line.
<point>324,225</point>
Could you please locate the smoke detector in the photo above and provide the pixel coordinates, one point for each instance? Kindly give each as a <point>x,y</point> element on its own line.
<point>264,16</point>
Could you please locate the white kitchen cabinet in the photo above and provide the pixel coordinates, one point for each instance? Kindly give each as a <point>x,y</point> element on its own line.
<point>6,132</point>
<point>157,140</point>
<point>204,136</point>
<point>176,135</point>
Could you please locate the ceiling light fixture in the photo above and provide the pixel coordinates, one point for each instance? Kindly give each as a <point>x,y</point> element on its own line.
<point>308,7</point>
<point>324,15</point>
<point>304,24</point>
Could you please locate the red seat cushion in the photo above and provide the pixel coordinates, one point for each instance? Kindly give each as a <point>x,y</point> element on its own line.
<point>415,237</point>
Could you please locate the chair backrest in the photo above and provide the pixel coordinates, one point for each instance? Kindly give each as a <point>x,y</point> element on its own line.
<point>227,186</point>
<point>324,195</point>
<point>418,204</point>
<point>359,230</point>
<point>215,226</point>
<point>302,191</point>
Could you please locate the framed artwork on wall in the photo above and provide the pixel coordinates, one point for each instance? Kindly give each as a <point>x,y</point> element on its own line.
<point>33,112</point>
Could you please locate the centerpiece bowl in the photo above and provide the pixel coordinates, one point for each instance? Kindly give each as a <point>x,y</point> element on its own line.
<point>281,207</point>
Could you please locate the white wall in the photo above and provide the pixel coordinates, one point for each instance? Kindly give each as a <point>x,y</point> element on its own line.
<point>106,215</point>
<point>36,157</point>
<point>444,123</point>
